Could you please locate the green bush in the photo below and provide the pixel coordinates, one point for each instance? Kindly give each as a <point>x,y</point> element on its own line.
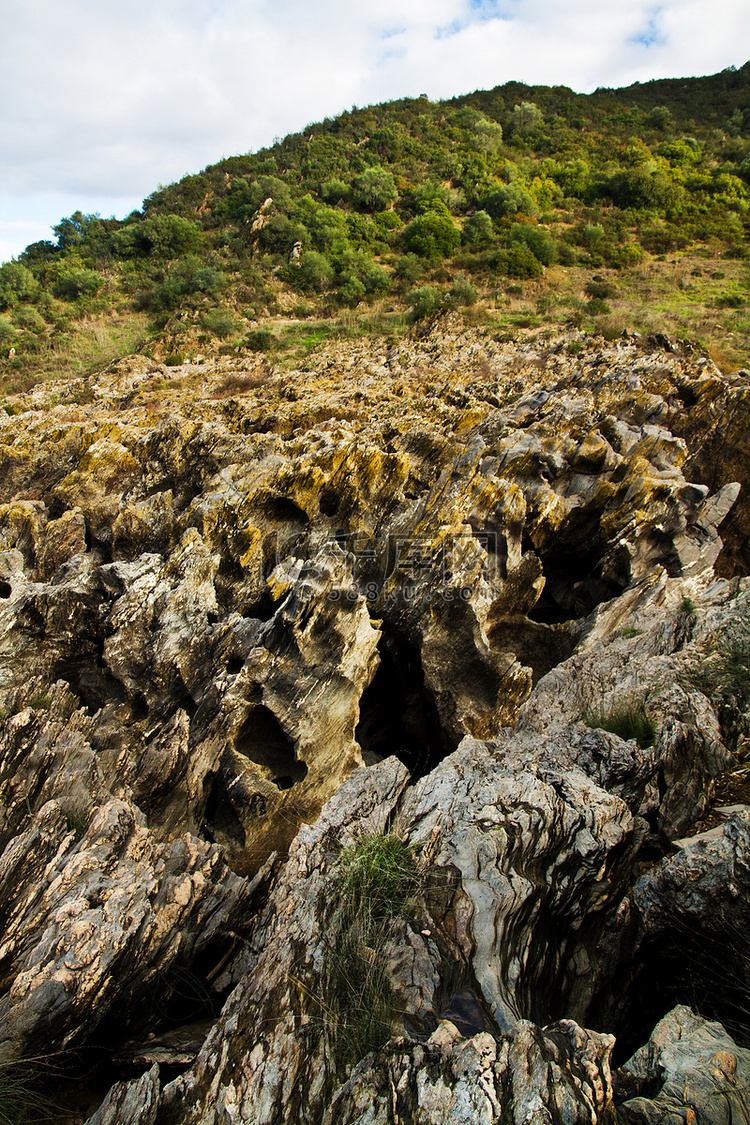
<point>432,236</point>
<point>478,230</point>
<point>8,333</point>
<point>72,284</point>
<point>597,306</point>
<point>461,293</point>
<point>409,267</point>
<point>220,323</point>
<point>539,242</point>
<point>260,340</point>
<point>508,200</point>
<point>314,274</point>
<point>375,189</point>
<point>518,261</point>
<point>17,283</point>
<point>425,302</point>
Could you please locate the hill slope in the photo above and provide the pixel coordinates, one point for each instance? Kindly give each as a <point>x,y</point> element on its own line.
<point>524,206</point>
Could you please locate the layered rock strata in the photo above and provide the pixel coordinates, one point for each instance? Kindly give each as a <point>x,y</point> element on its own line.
<point>360,597</point>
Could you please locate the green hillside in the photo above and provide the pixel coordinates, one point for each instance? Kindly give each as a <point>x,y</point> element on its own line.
<point>520,206</point>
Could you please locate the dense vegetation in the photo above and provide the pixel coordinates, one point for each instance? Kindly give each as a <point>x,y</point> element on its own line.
<point>623,209</point>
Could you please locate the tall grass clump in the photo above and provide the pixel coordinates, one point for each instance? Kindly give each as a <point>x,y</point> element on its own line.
<point>627,718</point>
<point>377,882</point>
<point>724,676</point>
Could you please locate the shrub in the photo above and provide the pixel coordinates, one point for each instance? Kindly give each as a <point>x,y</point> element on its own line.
<point>314,273</point>
<point>220,323</point>
<point>478,230</point>
<point>260,340</point>
<point>643,190</point>
<point>599,288</point>
<point>461,293</point>
<point>518,261</point>
<point>623,257</point>
<point>8,333</point>
<point>169,236</point>
<point>539,242</point>
<point>17,283</point>
<point>334,191</point>
<point>628,719</point>
<point>72,284</point>
<point>432,236</point>
<point>375,189</point>
<point>508,200</point>
<point>597,306</point>
<point>425,302</point>
<point>409,267</point>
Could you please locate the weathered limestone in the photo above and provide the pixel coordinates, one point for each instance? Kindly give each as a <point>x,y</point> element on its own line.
<point>214,610</point>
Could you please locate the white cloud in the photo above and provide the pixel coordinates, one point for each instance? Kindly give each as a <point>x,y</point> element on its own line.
<point>108,100</point>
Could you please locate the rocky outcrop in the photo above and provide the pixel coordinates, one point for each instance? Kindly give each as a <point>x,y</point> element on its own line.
<point>248,618</point>
<point>699,1074</point>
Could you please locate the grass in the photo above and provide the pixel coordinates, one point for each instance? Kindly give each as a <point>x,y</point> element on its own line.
<point>724,676</point>
<point>86,346</point>
<point>628,719</point>
<point>377,881</point>
<point>22,1100</point>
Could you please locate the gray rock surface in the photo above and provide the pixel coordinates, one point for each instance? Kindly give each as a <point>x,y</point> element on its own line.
<point>701,1074</point>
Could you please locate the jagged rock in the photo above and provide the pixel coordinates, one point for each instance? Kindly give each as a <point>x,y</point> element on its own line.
<point>560,1075</point>
<point>221,593</point>
<point>96,919</point>
<point>501,849</point>
<point>128,1102</point>
<point>701,1075</point>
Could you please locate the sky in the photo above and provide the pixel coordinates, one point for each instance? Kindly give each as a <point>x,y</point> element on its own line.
<point>101,102</point>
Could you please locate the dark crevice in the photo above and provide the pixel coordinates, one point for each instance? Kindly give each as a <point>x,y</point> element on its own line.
<point>574,586</point>
<point>262,609</point>
<point>261,738</point>
<point>329,502</point>
<point>94,684</point>
<point>220,821</point>
<point>5,589</point>
<point>397,713</point>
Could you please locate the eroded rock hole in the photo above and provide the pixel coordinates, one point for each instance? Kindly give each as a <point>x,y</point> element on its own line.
<point>261,738</point>
<point>235,665</point>
<point>262,609</point>
<point>329,502</point>
<point>574,586</point>
<point>397,714</point>
<point>5,589</point>
<point>220,820</point>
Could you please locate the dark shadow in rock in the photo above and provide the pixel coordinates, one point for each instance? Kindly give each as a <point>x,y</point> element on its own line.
<point>5,589</point>
<point>261,738</point>
<point>538,646</point>
<point>262,609</point>
<point>574,586</point>
<point>709,972</point>
<point>220,821</point>
<point>397,714</point>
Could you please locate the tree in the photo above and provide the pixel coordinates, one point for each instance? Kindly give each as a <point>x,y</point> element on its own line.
<point>478,230</point>
<point>17,283</point>
<point>526,117</point>
<point>432,236</point>
<point>375,189</point>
